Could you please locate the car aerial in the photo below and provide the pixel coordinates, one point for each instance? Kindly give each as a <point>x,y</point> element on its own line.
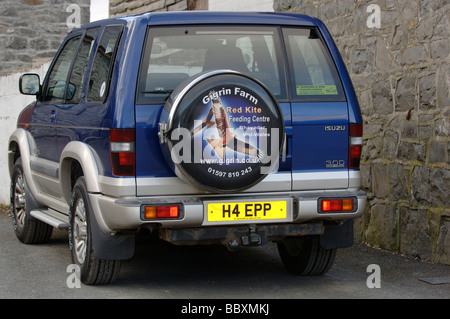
<point>199,127</point>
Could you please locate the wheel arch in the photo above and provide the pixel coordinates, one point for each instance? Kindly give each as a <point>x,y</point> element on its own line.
<point>13,155</point>
<point>21,144</point>
<point>78,159</point>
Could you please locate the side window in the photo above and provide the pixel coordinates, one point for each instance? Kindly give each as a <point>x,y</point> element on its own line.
<point>103,62</point>
<point>314,75</point>
<point>57,81</point>
<point>76,81</point>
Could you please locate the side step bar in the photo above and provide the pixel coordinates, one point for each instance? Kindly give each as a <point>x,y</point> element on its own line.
<point>51,217</point>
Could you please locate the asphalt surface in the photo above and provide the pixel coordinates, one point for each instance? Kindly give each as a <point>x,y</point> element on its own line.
<point>162,271</point>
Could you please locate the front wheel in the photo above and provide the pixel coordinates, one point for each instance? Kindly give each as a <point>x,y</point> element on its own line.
<point>93,271</point>
<point>27,229</point>
<point>304,255</point>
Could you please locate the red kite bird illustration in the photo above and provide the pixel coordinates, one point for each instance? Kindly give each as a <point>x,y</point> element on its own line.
<point>228,138</point>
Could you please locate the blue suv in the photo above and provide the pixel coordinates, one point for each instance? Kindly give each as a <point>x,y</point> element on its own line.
<point>199,127</point>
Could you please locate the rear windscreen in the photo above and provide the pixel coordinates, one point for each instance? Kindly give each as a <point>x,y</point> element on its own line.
<point>175,54</point>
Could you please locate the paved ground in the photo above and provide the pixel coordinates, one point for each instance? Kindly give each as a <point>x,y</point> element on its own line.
<point>162,271</point>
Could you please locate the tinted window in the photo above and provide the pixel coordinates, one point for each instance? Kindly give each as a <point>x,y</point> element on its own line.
<point>313,73</point>
<point>79,67</point>
<point>103,62</point>
<point>176,54</point>
<point>57,81</point>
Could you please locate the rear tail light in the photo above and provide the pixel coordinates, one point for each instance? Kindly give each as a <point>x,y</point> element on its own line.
<point>355,147</point>
<point>337,205</point>
<point>156,212</point>
<point>122,152</point>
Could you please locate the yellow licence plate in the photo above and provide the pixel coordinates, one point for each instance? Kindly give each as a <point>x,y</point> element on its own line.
<point>241,211</point>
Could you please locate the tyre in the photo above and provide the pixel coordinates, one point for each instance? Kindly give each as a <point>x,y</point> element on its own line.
<point>93,271</point>
<point>27,229</point>
<point>222,131</point>
<point>304,255</point>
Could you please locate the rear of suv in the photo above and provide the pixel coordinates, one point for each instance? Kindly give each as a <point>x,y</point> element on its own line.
<point>200,127</point>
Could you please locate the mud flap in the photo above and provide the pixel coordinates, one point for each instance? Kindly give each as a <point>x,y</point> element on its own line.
<point>31,202</point>
<point>111,247</point>
<point>337,235</point>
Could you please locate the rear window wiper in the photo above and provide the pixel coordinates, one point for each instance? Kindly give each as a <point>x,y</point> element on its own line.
<point>159,91</point>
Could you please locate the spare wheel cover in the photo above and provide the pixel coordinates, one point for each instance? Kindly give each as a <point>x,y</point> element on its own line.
<point>222,131</point>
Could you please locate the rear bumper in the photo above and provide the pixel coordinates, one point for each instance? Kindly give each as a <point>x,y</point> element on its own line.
<point>115,214</point>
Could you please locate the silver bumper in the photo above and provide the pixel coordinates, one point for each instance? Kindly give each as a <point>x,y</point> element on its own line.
<point>125,214</point>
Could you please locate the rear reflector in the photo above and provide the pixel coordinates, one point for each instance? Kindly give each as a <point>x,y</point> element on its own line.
<point>155,212</point>
<point>337,205</point>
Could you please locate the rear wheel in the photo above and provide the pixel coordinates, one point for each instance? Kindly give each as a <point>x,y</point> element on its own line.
<point>304,255</point>
<point>93,271</point>
<point>27,229</point>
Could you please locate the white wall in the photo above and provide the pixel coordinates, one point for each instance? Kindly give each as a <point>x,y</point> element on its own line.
<point>11,104</point>
<point>241,5</point>
<point>99,9</point>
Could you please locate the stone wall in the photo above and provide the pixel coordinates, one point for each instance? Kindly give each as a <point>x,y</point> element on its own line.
<point>32,30</point>
<point>401,72</point>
